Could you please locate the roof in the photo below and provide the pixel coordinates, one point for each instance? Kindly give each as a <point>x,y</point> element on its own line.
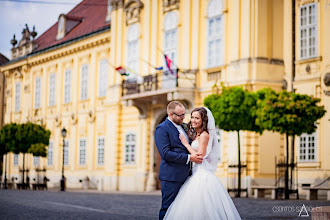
<point>3,59</point>
<point>93,15</point>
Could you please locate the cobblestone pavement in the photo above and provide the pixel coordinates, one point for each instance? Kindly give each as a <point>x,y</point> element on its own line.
<point>26,204</point>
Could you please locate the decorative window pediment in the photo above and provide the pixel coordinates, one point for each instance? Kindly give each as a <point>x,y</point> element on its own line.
<point>132,10</point>
<point>18,74</point>
<point>169,5</point>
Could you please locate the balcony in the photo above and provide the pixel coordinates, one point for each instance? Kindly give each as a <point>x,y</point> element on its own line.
<point>160,88</point>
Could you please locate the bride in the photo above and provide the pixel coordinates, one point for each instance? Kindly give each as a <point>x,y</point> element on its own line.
<point>202,196</point>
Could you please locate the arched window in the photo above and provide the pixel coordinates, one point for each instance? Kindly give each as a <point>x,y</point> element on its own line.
<point>133,35</point>
<point>215,39</point>
<point>170,49</point>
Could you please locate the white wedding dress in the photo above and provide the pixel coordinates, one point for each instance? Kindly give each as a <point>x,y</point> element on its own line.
<point>202,196</point>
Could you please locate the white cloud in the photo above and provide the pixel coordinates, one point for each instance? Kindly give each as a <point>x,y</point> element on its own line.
<point>14,16</point>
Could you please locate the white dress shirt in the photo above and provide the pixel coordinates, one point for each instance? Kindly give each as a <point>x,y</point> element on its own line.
<point>181,131</point>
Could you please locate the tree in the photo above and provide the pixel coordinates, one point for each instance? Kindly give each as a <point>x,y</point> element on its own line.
<point>38,150</point>
<point>233,110</point>
<point>22,138</point>
<point>287,113</point>
<point>28,134</point>
<point>7,142</point>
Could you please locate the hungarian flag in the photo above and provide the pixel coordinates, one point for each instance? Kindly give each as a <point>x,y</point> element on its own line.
<point>121,70</point>
<point>168,63</point>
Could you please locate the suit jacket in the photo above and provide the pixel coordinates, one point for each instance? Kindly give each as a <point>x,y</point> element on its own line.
<point>173,154</point>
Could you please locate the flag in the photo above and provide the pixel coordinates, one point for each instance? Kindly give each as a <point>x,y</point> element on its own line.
<point>168,63</point>
<point>122,71</point>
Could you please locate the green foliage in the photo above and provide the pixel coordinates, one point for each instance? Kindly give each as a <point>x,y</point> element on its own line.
<point>288,113</point>
<point>284,112</point>
<point>233,109</point>
<point>18,138</point>
<point>38,150</point>
<point>28,134</point>
<point>8,138</point>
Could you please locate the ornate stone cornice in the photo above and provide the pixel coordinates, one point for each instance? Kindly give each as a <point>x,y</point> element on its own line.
<point>169,5</point>
<point>71,51</point>
<point>117,4</point>
<point>132,11</point>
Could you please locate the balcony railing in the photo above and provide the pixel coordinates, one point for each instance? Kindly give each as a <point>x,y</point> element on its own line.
<point>160,81</point>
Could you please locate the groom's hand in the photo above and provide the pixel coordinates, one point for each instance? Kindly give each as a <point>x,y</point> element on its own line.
<point>196,157</point>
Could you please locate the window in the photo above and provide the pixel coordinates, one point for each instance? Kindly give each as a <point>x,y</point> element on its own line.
<point>82,151</point>
<point>100,151</point>
<point>50,153</point>
<point>170,49</point>
<point>307,147</point>
<point>170,37</point>
<point>35,160</point>
<point>18,97</point>
<point>133,34</point>
<point>308,26</point>
<point>214,45</point>
<point>52,89</point>
<point>103,77</point>
<point>219,137</point>
<point>15,159</point>
<point>84,82</point>
<point>130,148</point>
<point>66,152</point>
<point>67,86</point>
<point>37,97</point>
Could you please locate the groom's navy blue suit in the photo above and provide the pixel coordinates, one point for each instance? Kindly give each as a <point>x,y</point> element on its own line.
<point>173,169</point>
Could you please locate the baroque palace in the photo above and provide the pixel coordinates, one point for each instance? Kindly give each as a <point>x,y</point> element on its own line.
<point>100,73</point>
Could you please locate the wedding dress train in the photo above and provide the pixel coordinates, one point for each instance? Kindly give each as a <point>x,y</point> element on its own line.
<point>202,196</point>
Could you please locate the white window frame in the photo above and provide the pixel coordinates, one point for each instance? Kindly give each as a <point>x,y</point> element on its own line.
<point>36,161</point>
<point>130,148</point>
<point>66,152</point>
<point>18,97</point>
<point>103,78</point>
<point>67,86</point>
<point>84,82</point>
<point>100,150</point>
<point>219,134</point>
<point>308,31</point>
<point>82,151</point>
<point>52,89</point>
<point>37,93</point>
<point>304,146</point>
<point>16,159</point>
<point>133,52</point>
<point>214,12</point>
<point>171,39</point>
<point>50,153</point>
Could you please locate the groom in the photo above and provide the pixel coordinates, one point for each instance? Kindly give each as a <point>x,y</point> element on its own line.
<point>174,165</point>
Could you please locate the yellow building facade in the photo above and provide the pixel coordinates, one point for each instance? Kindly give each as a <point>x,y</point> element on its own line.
<point>111,119</point>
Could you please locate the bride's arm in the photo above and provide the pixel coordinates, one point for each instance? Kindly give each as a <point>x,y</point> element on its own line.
<point>203,140</point>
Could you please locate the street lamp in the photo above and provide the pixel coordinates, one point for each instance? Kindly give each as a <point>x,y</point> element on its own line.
<point>63,134</point>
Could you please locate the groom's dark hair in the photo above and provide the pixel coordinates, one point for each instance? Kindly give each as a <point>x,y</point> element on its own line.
<point>172,105</point>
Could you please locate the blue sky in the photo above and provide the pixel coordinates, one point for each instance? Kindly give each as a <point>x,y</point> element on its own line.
<point>14,14</point>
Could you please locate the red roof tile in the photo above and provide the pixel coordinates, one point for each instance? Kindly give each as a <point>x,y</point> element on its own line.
<point>92,13</point>
<point>3,59</point>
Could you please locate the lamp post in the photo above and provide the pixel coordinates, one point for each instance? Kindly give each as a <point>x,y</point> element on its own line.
<point>63,134</point>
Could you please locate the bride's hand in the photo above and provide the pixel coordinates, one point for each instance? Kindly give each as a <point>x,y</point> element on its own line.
<point>184,141</point>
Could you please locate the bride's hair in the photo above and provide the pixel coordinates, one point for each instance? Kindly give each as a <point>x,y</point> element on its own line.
<point>191,131</point>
